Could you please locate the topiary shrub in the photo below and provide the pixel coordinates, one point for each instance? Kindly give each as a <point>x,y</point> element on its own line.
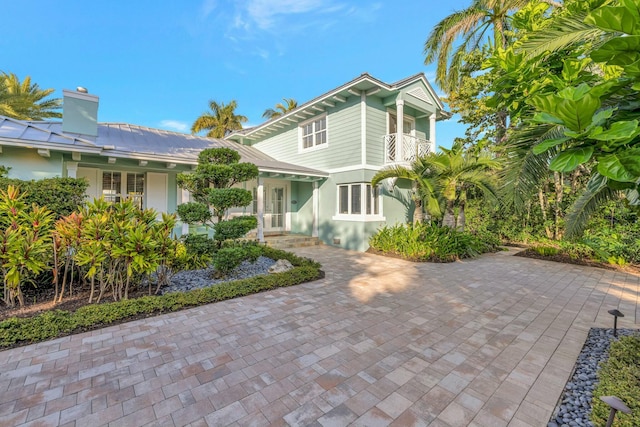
<point>619,376</point>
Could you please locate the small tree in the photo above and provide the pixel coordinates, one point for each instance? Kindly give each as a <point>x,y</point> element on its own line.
<point>212,188</point>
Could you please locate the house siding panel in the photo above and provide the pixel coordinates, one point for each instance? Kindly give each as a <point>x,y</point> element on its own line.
<point>28,164</point>
<point>376,129</point>
<point>343,135</point>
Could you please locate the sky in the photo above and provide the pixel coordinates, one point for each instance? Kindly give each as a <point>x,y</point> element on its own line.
<point>158,63</point>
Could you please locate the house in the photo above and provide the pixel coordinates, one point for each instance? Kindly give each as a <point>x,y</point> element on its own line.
<point>316,162</point>
<point>349,133</point>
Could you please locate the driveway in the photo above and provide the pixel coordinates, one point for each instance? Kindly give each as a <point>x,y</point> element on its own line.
<point>379,341</point>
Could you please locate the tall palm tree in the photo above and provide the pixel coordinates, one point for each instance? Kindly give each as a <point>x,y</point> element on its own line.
<point>25,100</point>
<point>470,26</point>
<point>220,121</point>
<point>280,109</point>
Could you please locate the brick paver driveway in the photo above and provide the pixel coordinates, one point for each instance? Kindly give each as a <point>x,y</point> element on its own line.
<point>379,341</point>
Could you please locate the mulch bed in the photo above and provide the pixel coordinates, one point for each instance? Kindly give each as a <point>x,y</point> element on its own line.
<point>530,253</point>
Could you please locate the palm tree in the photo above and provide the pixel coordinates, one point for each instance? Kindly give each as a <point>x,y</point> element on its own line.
<point>470,25</point>
<point>455,173</point>
<point>422,185</point>
<point>280,109</point>
<point>25,100</point>
<point>220,121</point>
<point>445,178</point>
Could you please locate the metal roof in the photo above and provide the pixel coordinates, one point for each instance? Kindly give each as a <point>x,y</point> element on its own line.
<point>137,142</point>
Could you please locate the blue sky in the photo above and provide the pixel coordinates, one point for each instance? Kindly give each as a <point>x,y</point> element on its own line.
<point>157,63</point>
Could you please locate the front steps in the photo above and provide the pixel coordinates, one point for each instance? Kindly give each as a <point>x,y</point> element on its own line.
<point>287,241</point>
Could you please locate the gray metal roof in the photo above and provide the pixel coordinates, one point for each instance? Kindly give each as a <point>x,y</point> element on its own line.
<point>138,142</point>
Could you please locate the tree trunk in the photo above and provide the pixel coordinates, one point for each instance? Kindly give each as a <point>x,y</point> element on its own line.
<point>543,207</point>
<point>449,219</point>
<point>462,219</point>
<point>558,183</point>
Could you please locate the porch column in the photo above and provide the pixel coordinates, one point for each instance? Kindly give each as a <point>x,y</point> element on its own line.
<point>400,130</point>
<point>184,198</point>
<point>72,169</point>
<point>432,132</point>
<point>316,204</point>
<point>260,195</point>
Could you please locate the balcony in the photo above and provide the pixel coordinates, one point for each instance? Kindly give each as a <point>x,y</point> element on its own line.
<point>411,148</point>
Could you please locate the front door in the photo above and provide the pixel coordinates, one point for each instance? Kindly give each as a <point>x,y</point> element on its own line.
<point>275,207</point>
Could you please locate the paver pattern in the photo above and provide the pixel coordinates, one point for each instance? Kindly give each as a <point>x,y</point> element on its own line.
<point>379,341</point>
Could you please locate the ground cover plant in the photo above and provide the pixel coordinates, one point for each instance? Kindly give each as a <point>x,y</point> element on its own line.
<point>428,242</point>
<point>619,376</point>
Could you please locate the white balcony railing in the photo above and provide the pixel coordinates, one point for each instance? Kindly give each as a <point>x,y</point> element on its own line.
<point>411,148</point>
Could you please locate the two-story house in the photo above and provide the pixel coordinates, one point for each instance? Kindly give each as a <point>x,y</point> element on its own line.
<point>349,133</point>
<point>316,162</point>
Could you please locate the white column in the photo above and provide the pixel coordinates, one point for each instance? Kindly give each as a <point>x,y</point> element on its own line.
<point>316,205</point>
<point>72,169</point>
<point>260,195</point>
<point>363,128</point>
<point>400,130</point>
<point>432,132</point>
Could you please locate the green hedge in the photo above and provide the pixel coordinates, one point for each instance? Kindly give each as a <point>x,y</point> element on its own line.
<point>52,324</point>
<point>60,195</point>
<point>619,376</point>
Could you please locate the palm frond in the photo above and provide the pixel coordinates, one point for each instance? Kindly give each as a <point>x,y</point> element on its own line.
<point>562,34</point>
<point>589,201</point>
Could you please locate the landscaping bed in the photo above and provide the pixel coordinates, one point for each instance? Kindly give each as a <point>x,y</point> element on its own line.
<point>561,257</point>
<point>42,321</point>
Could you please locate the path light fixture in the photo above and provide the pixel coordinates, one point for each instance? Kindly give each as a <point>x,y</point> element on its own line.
<point>616,405</point>
<point>615,313</point>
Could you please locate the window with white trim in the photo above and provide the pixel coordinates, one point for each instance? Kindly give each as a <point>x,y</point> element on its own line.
<point>359,199</point>
<point>313,133</point>
<point>117,186</point>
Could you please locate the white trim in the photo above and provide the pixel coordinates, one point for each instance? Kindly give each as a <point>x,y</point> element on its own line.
<point>355,168</point>
<point>72,169</point>
<point>358,218</point>
<point>363,127</point>
<point>315,147</point>
<point>316,210</point>
<point>260,213</point>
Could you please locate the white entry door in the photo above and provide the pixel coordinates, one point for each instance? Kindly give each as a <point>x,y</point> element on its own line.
<point>275,203</point>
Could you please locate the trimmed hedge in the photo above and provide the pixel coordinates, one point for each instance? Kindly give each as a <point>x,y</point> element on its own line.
<point>60,195</point>
<point>52,324</point>
<point>619,376</point>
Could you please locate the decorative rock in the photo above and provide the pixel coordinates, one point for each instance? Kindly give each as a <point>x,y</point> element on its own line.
<point>280,266</point>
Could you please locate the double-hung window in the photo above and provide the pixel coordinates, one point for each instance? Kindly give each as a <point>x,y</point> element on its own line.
<point>118,185</point>
<point>314,133</point>
<point>358,201</point>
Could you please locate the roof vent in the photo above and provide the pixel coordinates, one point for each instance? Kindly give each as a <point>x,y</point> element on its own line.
<point>82,89</point>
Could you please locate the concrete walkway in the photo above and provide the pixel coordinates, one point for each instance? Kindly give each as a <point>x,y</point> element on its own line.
<point>379,341</point>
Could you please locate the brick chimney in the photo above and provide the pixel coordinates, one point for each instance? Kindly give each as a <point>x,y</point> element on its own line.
<point>80,112</point>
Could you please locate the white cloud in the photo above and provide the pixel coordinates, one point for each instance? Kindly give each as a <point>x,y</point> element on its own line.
<point>175,125</point>
<point>264,12</point>
<point>207,7</point>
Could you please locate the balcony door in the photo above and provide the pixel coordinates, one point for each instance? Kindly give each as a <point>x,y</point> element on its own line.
<point>408,125</point>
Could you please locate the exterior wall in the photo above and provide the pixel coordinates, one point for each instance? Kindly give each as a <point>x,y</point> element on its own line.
<point>27,164</point>
<point>343,140</point>
<point>302,210</point>
<point>376,129</point>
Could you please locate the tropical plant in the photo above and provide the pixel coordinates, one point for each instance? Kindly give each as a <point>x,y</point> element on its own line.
<point>25,241</point>
<point>25,100</point>
<point>213,187</point>
<point>445,178</point>
<point>470,26</point>
<point>220,121</point>
<point>280,109</point>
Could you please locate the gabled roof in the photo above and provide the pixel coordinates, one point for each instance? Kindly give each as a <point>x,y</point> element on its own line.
<point>365,83</point>
<point>123,140</point>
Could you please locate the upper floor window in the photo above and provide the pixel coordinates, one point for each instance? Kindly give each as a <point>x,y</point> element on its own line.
<point>314,133</point>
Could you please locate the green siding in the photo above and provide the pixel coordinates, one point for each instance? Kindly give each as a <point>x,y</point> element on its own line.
<point>27,164</point>
<point>343,136</point>
<point>376,129</point>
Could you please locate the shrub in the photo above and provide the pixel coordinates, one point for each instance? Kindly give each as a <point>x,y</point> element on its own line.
<point>619,376</point>
<point>53,324</point>
<point>200,246</point>
<point>427,242</point>
<point>545,250</point>
<point>60,195</point>
<point>230,257</point>
<point>234,228</point>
